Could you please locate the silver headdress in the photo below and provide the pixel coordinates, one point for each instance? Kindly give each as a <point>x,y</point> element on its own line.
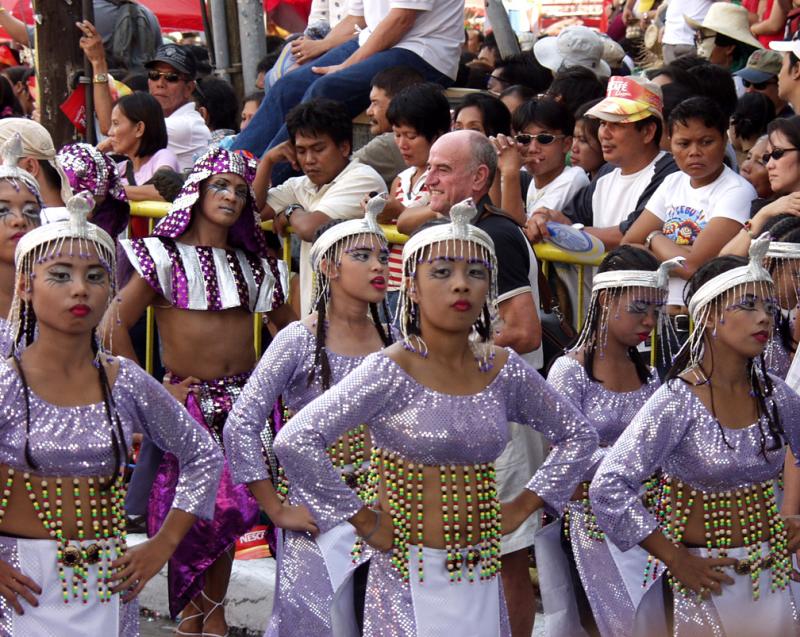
<point>702,303</point>
<point>10,154</point>
<point>341,238</point>
<point>654,285</point>
<point>457,240</point>
<point>71,237</point>
<point>783,262</point>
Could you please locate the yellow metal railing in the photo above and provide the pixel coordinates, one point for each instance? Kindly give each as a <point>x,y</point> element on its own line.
<point>545,252</point>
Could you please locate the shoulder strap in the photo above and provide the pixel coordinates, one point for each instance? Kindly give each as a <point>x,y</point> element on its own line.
<point>129,175</point>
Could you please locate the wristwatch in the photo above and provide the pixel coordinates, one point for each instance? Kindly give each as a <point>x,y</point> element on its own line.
<point>101,78</point>
<point>289,210</point>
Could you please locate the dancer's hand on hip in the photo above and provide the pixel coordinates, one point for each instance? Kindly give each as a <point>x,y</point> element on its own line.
<point>14,584</point>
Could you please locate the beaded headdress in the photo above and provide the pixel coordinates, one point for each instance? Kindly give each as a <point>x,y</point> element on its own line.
<point>71,237</point>
<point>10,154</point>
<point>780,255</point>
<point>246,232</point>
<point>702,302</point>
<point>89,170</point>
<point>654,286</point>
<point>342,238</point>
<point>457,240</point>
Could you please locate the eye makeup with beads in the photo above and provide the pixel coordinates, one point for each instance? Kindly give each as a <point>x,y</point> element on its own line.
<point>63,272</point>
<point>30,211</point>
<point>643,306</point>
<point>749,303</point>
<point>220,186</point>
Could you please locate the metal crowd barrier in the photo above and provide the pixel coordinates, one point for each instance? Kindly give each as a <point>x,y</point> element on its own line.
<point>545,252</point>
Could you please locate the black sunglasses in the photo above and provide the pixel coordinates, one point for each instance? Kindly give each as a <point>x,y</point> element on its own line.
<point>776,154</point>
<point>545,139</point>
<point>172,78</point>
<point>759,86</point>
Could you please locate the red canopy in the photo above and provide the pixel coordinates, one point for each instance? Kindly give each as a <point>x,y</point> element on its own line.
<point>175,15</point>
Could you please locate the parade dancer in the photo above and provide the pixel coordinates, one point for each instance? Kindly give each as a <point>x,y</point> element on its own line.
<point>437,406</point>
<point>717,432</point>
<point>205,270</point>
<point>604,376</point>
<point>20,209</point>
<point>69,410</point>
<point>350,262</point>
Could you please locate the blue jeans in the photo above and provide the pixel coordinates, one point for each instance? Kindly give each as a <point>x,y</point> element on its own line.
<point>350,86</point>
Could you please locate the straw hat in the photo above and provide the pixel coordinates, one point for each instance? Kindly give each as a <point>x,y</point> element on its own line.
<point>727,19</point>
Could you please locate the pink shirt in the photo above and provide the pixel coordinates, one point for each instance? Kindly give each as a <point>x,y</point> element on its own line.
<point>163,158</point>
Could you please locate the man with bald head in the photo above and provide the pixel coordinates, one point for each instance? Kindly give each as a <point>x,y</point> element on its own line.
<point>462,165</point>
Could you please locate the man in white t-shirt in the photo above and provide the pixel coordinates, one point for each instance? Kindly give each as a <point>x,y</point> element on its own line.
<point>425,35</point>
<point>332,186</point>
<point>630,132</point>
<point>170,79</point>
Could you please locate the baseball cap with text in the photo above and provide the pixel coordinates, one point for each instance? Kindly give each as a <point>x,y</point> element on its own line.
<point>628,99</point>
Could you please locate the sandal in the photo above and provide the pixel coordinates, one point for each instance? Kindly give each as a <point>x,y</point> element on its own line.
<point>215,606</point>
<point>178,630</point>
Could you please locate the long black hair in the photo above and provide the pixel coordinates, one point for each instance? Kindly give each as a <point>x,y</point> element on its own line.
<point>321,362</point>
<point>622,258</point>
<point>762,387</point>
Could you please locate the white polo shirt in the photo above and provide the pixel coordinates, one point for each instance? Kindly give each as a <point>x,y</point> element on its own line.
<point>187,135</point>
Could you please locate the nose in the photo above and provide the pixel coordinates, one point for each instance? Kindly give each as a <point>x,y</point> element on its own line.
<point>649,320</point>
<point>79,287</point>
<point>460,281</point>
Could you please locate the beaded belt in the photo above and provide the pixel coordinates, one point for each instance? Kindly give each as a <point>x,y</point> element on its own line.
<point>593,531</point>
<point>673,503</point>
<point>348,455</point>
<point>405,491</point>
<point>105,517</point>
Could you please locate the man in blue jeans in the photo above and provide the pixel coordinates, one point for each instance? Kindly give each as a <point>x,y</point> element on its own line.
<point>425,35</point>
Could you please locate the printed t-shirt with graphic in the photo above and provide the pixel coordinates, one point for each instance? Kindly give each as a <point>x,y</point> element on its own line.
<point>686,211</point>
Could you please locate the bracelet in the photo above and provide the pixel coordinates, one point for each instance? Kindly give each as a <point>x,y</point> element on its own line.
<point>375,528</point>
<point>649,239</point>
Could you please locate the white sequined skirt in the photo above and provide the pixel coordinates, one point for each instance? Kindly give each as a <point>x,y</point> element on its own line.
<point>52,617</point>
<point>735,613</point>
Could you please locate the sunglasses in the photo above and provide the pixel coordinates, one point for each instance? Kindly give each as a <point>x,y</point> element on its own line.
<point>545,139</point>
<point>776,154</point>
<point>172,78</point>
<point>759,86</point>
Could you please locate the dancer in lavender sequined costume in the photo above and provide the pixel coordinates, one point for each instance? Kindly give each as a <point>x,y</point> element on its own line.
<point>438,407</point>
<point>604,376</point>
<point>20,208</point>
<point>314,593</point>
<point>64,441</point>
<point>205,270</point>
<point>717,432</point>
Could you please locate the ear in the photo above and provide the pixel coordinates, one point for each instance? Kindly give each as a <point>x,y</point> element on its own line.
<point>24,288</point>
<point>204,113</point>
<point>345,148</point>
<point>480,178</point>
<point>31,165</point>
<point>138,130</point>
<point>649,133</point>
<point>329,269</point>
<point>566,143</point>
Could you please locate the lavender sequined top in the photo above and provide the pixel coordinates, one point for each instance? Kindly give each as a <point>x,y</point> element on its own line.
<point>433,428</point>
<point>675,433</point>
<point>76,441</point>
<point>609,412</point>
<point>282,371</point>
